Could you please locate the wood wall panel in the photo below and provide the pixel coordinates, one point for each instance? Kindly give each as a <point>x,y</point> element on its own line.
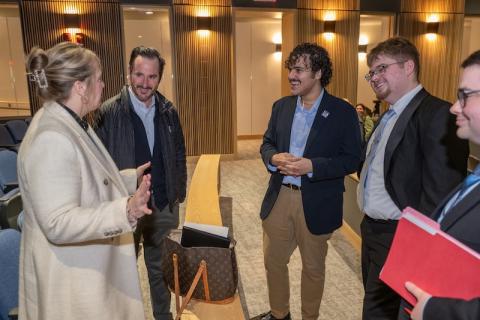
<point>204,2</point>
<point>439,6</point>
<point>439,58</point>
<point>204,80</point>
<point>329,4</point>
<point>100,21</point>
<point>343,48</point>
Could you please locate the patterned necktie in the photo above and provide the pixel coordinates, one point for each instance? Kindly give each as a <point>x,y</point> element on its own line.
<point>377,136</point>
<point>471,179</point>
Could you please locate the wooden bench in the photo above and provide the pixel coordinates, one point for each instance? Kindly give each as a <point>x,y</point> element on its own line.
<point>203,207</point>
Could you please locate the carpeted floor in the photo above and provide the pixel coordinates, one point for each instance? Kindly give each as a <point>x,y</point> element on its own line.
<point>243,184</point>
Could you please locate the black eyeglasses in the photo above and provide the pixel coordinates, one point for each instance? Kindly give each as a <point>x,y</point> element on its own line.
<point>380,70</point>
<point>462,96</point>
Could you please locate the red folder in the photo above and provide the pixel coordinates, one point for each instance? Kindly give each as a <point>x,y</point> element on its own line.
<point>430,258</point>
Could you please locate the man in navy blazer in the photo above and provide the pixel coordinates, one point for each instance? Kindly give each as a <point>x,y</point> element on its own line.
<point>459,213</point>
<point>311,144</point>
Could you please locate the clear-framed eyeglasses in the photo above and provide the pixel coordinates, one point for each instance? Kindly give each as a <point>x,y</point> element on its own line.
<point>462,96</point>
<point>381,69</point>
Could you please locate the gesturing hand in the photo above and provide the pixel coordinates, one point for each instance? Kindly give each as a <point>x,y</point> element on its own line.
<point>137,205</point>
<point>141,170</point>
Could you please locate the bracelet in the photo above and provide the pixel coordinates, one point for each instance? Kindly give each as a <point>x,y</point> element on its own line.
<point>130,217</point>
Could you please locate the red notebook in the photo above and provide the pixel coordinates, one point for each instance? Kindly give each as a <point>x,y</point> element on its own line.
<point>430,258</point>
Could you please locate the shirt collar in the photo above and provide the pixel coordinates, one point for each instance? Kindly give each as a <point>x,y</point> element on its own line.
<point>315,105</point>
<point>82,122</point>
<point>402,103</point>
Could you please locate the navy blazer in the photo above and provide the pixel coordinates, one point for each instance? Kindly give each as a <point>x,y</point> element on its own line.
<point>333,146</point>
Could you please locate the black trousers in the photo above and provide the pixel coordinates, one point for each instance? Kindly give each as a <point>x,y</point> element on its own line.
<point>380,302</point>
<point>154,228</point>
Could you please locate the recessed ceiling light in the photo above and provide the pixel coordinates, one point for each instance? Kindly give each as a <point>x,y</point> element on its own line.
<point>148,12</point>
<point>139,36</point>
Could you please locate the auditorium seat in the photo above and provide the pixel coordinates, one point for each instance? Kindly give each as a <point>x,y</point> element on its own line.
<point>17,129</point>
<point>9,264</point>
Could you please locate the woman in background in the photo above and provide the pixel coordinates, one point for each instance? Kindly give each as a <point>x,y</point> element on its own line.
<point>77,257</point>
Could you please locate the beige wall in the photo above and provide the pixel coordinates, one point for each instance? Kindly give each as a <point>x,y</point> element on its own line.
<point>376,29</point>
<point>258,73</point>
<point>13,83</point>
<point>150,31</point>
<point>471,40</point>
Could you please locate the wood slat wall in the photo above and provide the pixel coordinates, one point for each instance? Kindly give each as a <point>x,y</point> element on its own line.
<point>204,85</point>
<point>329,4</point>
<point>101,23</point>
<point>439,58</point>
<point>343,48</point>
<point>450,6</point>
<point>204,2</point>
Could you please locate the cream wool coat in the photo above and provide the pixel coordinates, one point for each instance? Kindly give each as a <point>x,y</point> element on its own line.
<point>77,257</point>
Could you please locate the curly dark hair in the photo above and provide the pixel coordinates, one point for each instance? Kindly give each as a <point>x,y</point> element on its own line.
<point>317,57</point>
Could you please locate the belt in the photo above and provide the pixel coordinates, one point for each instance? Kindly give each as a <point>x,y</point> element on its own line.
<point>291,186</point>
<point>381,221</point>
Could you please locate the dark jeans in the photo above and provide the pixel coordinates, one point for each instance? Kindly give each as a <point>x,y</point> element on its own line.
<point>380,302</point>
<point>154,228</point>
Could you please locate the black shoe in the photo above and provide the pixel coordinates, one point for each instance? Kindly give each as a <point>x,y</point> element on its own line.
<point>268,316</point>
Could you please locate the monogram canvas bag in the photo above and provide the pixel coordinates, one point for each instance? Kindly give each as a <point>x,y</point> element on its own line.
<point>217,267</point>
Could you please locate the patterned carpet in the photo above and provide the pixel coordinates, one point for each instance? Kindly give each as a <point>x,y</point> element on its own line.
<point>243,184</point>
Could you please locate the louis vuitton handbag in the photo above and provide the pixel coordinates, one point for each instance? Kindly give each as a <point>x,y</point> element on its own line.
<point>183,267</point>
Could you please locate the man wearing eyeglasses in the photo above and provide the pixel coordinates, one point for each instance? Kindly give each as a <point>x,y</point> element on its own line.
<point>459,213</point>
<point>413,158</point>
<point>312,142</point>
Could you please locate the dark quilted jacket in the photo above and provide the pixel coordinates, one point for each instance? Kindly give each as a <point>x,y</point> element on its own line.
<point>114,127</point>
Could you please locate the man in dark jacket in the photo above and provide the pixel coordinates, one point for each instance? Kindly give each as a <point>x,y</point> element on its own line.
<point>137,126</point>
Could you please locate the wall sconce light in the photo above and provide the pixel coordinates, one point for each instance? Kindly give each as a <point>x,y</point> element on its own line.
<point>278,47</point>
<point>71,21</point>
<point>204,23</point>
<point>362,51</point>
<point>328,29</point>
<point>329,26</point>
<point>432,27</point>
<point>72,24</point>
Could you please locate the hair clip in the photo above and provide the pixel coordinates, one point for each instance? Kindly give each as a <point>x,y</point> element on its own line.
<point>39,77</point>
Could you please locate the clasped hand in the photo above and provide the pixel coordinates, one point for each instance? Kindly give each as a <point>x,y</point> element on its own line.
<point>290,165</point>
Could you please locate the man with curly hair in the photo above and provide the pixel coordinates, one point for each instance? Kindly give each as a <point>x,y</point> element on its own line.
<point>311,144</point>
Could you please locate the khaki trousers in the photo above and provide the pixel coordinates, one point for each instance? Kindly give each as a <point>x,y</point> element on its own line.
<point>283,230</point>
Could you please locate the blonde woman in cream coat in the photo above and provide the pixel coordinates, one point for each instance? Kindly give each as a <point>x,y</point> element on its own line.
<point>77,257</point>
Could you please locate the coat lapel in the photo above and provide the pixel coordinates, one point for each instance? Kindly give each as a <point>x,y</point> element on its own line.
<point>290,113</point>
<point>94,148</point>
<point>321,116</point>
<point>399,129</point>
<point>462,208</point>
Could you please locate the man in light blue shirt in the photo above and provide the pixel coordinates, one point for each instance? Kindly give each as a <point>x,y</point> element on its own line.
<point>312,142</point>
<point>413,158</point>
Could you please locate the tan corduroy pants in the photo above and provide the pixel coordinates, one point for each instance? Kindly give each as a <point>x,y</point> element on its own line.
<point>283,230</point>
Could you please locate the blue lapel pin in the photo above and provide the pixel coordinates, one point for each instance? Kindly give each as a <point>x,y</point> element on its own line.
<point>325,114</point>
